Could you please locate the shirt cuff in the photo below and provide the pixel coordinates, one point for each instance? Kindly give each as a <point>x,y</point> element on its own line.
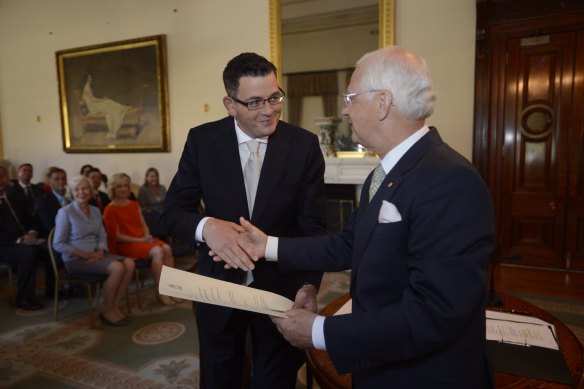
<point>318,333</point>
<point>199,230</point>
<point>272,249</point>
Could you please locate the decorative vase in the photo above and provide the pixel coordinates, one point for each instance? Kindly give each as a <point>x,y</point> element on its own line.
<point>328,134</point>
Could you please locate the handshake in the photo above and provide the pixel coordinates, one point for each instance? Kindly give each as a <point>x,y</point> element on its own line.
<point>238,245</point>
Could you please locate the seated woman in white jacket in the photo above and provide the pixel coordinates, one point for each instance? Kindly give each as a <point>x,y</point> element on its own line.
<point>81,239</point>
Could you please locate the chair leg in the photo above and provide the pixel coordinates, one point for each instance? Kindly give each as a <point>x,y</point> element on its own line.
<point>90,301</point>
<point>138,290</point>
<point>56,300</point>
<point>128,305</point>
<point>11,288</point>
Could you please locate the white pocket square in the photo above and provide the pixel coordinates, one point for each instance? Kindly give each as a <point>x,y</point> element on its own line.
<point>388,213</point>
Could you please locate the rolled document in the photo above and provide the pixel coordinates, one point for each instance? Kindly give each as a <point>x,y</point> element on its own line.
<point>186,285</point>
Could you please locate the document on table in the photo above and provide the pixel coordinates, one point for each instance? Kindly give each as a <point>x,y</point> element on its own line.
<point>189,286</point>
<point>521,330</point>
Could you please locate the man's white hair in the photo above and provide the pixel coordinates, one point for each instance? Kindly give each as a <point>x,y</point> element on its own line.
<point>405,75</point>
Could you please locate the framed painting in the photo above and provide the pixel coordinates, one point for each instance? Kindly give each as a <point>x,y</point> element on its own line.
<point>114,97</point>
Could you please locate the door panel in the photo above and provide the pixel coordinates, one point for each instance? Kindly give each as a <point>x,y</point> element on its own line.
<point>537,121</point>
<point>575,213</point>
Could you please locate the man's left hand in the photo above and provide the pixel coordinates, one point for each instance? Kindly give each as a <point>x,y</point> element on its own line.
<point>297,327</point>
<point>306,298</point>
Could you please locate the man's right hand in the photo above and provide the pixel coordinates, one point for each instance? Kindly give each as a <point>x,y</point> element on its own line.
<point>255,240</point>
<point>222,238</point>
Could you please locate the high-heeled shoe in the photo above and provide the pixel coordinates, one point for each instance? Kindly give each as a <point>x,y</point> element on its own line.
<point>118,323</point>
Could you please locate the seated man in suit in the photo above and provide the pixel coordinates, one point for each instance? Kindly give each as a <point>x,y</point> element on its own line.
<point>18,243</point>
<point>101,199</point>
<point>46,208</point>
<point>418,245</point>
<point>24,188</point>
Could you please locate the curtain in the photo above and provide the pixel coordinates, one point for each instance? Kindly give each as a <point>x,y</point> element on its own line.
<point>301,85</point>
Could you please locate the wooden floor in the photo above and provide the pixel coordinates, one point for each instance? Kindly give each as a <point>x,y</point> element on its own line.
<point>542,282</point>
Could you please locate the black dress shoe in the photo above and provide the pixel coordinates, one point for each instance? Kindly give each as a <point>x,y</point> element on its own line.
<point>29,305</point>
<point>118,323</point>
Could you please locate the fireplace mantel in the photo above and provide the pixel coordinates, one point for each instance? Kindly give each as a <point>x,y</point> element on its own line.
<point>348,170</point>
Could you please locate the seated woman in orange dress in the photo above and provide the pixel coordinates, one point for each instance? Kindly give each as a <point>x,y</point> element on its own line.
<point>128,233</point>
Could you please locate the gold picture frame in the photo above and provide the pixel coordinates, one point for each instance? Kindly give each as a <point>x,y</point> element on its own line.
<point>386,23</point>
<point>114,97</point>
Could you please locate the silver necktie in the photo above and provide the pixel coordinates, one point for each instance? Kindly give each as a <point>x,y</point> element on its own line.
<point>251,172</point>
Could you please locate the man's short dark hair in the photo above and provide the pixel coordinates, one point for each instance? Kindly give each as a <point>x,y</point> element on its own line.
<point>245,64</point>
<point>24,164</point>
<point>53,169</point>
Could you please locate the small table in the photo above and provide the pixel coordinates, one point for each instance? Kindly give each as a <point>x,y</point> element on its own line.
<point>327,377</point>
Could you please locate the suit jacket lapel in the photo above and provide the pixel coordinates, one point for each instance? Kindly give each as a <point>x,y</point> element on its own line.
<point>389,187</point>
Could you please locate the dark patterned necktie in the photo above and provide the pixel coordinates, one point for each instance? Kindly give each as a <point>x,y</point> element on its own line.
<point>28,193</point>
<point>376,180</point>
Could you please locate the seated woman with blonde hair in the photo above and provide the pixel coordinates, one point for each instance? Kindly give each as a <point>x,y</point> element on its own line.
<point>128,233</point>
<point>81,239</point>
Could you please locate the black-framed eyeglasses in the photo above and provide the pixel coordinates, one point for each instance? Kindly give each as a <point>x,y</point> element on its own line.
<point>348,97</point>
<point>253,105</point>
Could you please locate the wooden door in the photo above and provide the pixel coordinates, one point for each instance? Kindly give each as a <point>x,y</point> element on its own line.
<point>529,127</point>
<point>575,211</point>
<point>536,133</point>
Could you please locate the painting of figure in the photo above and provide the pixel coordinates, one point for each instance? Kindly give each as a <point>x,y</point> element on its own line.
<point>114,96</point>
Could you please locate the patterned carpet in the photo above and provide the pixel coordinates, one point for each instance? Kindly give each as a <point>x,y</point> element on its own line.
<point>158,349</point>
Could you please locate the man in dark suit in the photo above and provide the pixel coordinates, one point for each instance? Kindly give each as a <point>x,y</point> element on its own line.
<point>46,208</point>
<point>24,188</point>
<point>101,199</point>
<point>18,243</point>
<point>218,168</point>
<point>418,246</point>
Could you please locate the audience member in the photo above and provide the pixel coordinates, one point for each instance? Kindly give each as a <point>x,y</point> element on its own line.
<point>100,199</point>
<point>85,169</point>
<point>219,164</point>
<point>81,239</point>
<point>151,194</point>
<point>18,243</point>
<point>128,233</point>
<point>47,206</point>
<point>24,188</point>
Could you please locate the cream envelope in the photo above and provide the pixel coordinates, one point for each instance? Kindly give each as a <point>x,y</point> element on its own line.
<point>388,213</point>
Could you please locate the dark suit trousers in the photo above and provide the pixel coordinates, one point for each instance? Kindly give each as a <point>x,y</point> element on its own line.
<point>48,266</point>
<point>24,259</point>
<point>274,364</point>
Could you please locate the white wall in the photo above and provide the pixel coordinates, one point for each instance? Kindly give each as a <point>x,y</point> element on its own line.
<point>202,36</point>
<point>443,33</point>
